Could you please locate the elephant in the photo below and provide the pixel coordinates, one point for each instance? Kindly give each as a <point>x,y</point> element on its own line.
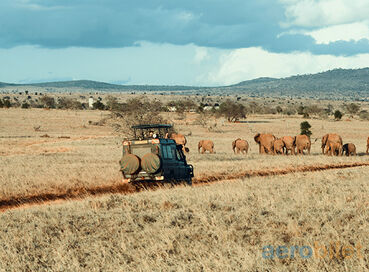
<point>180,139</point>
<point>278,147</point>
<point>240,145</point>
<point>288,144</point>
<point>302,142</point>
<point>335,149</point>
<point>265,142</point>
<point>367,146</point>
<point>349,149</point>
<point>328,139</point>
<point>206,145</point>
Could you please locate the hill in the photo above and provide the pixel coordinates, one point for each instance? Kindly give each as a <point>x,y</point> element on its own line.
<point>103,86</point>
<point>337,83</point>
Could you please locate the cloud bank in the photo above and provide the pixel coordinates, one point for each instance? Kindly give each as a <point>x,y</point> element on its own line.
<point>228,24</point>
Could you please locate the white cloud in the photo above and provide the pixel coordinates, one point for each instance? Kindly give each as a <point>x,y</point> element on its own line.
<point>346,32</point>
<point>27,4</point>
<point>201,54</point>
<point>310,13</point>
<point>250,63</point>
<point>186,16</point>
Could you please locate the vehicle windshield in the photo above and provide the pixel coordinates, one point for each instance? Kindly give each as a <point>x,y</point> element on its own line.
<point>140,151</point>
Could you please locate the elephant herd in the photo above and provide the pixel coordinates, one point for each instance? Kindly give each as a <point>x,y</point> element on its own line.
<point>269,144</point>
<point>332,145</point>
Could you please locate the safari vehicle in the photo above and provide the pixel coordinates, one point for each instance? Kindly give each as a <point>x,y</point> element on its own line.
<point>152,157</point>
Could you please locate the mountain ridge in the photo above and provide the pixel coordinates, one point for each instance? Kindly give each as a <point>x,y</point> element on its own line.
<point>353,81</point>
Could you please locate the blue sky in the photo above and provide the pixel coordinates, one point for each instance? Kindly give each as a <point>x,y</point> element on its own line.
<point>192,42</point>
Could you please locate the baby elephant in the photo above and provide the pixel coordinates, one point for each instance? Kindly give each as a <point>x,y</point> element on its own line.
<point>240,145</point>
<point>206,145</point>
<point>349,149</point>
<point>278,147</point>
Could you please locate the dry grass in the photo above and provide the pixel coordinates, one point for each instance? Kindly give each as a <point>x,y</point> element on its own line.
<point>31,164</point>
<point>211,228</point>
<point>221,227</point>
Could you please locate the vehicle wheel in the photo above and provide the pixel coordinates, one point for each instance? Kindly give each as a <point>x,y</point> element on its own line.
<point>150,163</point>
<point>130,164</point>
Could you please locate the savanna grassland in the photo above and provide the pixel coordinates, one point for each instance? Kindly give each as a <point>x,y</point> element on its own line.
<point>220,226</point>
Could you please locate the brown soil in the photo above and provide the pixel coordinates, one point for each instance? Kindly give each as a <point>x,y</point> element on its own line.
<point>129,188</point>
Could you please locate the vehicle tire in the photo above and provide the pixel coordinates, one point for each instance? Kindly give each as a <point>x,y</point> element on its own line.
<point>130,164</point>
<point>150,163</point>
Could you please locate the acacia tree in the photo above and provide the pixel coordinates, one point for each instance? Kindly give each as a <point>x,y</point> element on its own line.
<point>338,115</point>
<point>232,111</point>
<point>137,111</point>
<point>305,128</point>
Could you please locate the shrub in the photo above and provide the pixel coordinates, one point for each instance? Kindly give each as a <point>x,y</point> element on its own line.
<point>352,108</point>
<point>48,102</point>
<point>364,115</point>
<point>98,105</point>
<point>7,103</point>
<point>305,128</point>
<point>232,111</point>
<point>112,103</point>
<point>69,103</point>
<point>300,110</point>
<point>182,105</point>
<point>25,105</point>
<point>279,109</point>
<point>338,115</point>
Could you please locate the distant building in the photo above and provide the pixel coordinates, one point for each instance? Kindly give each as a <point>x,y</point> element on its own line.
<point>172,109</point>
<point>91,102</point>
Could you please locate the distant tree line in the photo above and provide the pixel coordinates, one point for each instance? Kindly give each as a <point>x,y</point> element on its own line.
<point>232,110</point>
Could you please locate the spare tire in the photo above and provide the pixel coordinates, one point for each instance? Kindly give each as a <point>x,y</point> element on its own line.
<point>150,163</point>
<point>130,164</point>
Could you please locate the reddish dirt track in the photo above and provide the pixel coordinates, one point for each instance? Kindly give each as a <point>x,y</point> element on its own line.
<point>124,188</point>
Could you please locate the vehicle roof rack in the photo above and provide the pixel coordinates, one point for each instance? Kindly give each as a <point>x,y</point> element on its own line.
<point>151,126</point>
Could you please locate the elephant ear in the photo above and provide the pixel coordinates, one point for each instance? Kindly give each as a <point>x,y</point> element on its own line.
<point>256,138</point>
<point>324,139</point>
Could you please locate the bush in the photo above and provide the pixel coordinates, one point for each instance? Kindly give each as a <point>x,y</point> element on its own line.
<point>232,111</point>
<point>313,110</point>
<point>182,105</point>
<point>7,103</point>
<point>98,105</point>
<point>112,103</point>
<point>338,115</point>
<point>364,115</point>
<point>300,110</point>
<point>1,104</point>
<point>279,109</point>
<point>25,105</point>
<point>69,103</point>
<point>352,108</point>
<point>48,102</point>
<point>305,128</point>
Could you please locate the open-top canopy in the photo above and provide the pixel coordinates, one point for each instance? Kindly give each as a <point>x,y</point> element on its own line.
<point>151,131</point>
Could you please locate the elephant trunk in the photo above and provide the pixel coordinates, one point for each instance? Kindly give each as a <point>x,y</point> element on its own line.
<point>234,146</point>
